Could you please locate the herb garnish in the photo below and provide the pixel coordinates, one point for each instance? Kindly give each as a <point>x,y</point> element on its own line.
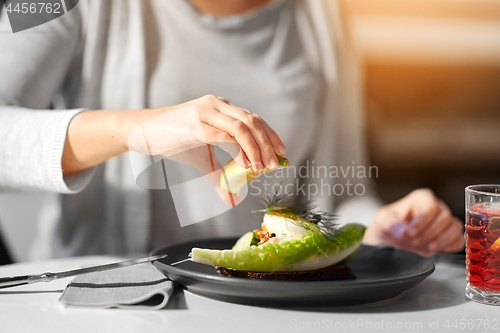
<point>302,214</point>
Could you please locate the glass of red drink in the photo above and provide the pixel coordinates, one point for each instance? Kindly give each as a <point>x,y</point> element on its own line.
<point>482,241</point>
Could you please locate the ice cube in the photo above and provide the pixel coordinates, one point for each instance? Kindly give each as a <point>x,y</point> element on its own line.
<point>494,225</point>
<point>477,219</point>
<point>493,232</point>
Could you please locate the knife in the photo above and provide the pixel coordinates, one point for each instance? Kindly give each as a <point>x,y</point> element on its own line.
<point>13,281</point>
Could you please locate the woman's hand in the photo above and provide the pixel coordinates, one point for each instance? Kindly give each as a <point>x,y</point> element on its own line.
<point>419,222</point>
<point>95,136</point>
<point>210,119</point>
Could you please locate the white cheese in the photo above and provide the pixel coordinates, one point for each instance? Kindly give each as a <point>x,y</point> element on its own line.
<point>284,228</point>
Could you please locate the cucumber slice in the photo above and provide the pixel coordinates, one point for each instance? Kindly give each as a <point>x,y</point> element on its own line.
<point>244,241</point>
<point>291,255</point>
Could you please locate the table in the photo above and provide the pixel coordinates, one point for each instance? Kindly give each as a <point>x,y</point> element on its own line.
<point>436,305</point>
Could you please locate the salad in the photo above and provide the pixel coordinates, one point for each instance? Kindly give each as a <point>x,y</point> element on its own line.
<point>291,239</point>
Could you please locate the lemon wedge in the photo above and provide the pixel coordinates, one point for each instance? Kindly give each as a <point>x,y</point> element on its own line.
<point>234,177</point>
<point>496,245</point>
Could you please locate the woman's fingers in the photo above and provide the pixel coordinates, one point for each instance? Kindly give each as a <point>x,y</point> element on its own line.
<point>279,147</point>
<point>424,207</point>
<point>419,222</point>
<point>259,142</point>
<point>437,226</point>
<point>254,123</point>
<point>237,129</point>
<point>450,240</point>
<point>456,244</point>
<point>213,134</point>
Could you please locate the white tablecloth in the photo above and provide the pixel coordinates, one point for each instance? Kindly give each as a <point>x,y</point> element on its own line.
<point>436,305</point>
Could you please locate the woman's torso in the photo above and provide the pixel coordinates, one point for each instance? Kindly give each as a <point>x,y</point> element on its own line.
<point>260,61</point>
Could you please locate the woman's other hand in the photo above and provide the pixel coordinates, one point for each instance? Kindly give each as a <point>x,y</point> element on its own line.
<point>419,222</point>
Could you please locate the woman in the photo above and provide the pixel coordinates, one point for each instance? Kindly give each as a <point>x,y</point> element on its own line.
<point>276,58</point>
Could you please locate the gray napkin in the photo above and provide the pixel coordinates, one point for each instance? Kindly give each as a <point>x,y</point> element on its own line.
<point>139,286</point>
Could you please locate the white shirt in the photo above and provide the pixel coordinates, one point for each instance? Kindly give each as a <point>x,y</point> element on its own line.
<point>101,56</point>
<point>257,61</point>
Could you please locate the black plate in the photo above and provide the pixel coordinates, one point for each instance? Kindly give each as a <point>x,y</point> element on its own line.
<point>380,274</point>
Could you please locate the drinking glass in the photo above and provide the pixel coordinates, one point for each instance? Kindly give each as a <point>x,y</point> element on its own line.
<point>482,241</point>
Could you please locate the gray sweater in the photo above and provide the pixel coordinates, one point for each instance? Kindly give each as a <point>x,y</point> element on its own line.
<point>129,54</point>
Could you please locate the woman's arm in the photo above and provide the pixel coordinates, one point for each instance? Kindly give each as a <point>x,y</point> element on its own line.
<point>47,149</point>
<point>31,137</point>
<point>92,138</point>
<point>95,136</point>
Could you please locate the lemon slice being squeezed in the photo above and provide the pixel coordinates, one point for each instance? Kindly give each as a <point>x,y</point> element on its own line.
<point>496,245</point>
<point>234,177</point>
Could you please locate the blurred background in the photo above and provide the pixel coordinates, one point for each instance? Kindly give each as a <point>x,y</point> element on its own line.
<point>431,87</point>
<point>431,95</point>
